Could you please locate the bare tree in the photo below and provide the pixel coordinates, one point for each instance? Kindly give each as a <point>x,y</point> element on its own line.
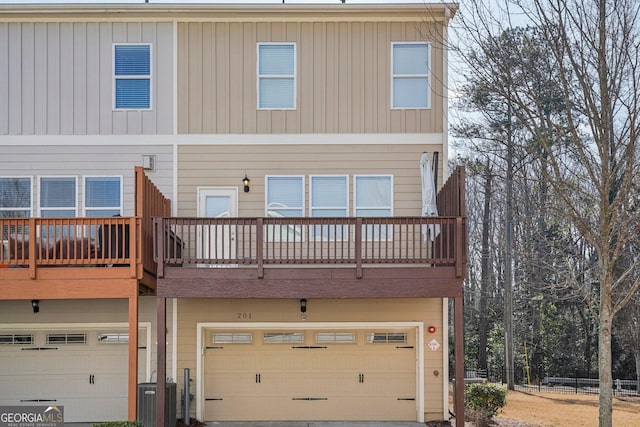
<point>589,144</point>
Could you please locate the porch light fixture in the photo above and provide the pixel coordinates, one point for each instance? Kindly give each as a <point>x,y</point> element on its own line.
<point>246,181</point>
<point>303,305</point>
<point>35,304</point>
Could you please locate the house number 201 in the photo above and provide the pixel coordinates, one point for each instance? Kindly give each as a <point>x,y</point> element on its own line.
<point>243,316</point>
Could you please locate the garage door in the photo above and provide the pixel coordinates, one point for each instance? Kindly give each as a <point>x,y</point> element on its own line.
<point>310,375</point>
<point>84,370</point>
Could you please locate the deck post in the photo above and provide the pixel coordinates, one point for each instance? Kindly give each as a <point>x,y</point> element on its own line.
<point>458,351</point>
<point>161,382</point>
<point>133,357</point>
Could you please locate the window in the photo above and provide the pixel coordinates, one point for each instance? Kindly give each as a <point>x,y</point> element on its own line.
<point>58,196</point>
<point>103,196</point>
<point>283,337</point>
<point>373,198</point>
<point>285,199</point>
<point>113,338</point>
<point>63,338</point>
<point>335,337</point>
<point>387,338</point>
<point>232,338</point>
<point>329,196</point>
<point>373,195</point>
<point>17,339</point>
<point>410,75</point>
<point>285,196</point>
<point>132,76</point>
<point>276,76</point>
<point>15,197</point>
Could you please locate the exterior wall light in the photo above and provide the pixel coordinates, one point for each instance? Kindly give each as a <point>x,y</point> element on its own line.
<point>432,329</point>
<point>303,305</point>
<point>35,304</point>
<point>246,181</point>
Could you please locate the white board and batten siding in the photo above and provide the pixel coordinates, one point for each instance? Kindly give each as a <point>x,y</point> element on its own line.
<point>59,78</point>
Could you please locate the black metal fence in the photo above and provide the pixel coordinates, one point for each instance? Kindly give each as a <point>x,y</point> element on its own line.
<point>573,384</point>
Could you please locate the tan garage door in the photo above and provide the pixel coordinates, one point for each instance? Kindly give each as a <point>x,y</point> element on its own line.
<point>83,370</point>
<point>310,375</point>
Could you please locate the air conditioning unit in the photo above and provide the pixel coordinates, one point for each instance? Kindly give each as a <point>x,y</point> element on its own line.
<point>147,404</point>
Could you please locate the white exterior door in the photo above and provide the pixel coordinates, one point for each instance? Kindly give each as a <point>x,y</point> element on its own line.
<point>217,242</point>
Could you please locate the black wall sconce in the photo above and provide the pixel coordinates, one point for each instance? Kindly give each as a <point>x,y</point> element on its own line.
<point>303,305</point>
<point>35,304</point>
<point>246,181</point>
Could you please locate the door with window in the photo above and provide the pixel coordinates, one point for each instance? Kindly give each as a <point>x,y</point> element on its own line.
<point>217,242</point>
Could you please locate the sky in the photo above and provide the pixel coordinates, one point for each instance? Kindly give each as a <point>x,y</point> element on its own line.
<point>213,1</point>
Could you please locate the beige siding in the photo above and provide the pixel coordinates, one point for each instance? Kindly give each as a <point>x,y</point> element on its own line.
<point>429,311</point>
<point>60,78</point>
<point>224,166</point>
<point>343,78</point>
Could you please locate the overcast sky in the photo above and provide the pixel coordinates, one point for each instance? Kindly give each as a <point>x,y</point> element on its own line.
<point>210,1</point>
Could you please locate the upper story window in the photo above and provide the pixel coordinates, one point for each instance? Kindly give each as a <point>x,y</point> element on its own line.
<point>102,196</point>
<point>410,79</point>
<point>277,76</point>
<point>132,76</point>
<point>58,196</point>
<point>15,197</point>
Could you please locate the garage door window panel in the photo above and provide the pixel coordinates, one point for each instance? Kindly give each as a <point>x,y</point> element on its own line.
<point>66,338</point>
<point>284,337</point>
<point>16,339</point>
<point>232,338</point>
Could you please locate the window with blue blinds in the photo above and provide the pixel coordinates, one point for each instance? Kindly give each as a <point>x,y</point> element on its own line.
<point>277,76</point>
<point>102,196</point>
<point>410,75</point>
<point>132,76</point>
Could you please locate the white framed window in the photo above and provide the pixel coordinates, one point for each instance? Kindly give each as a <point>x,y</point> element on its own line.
<point>232,338</point>
<point>410,75</point>
<point>132,76</point>
<point>58,196</point>
<point>373,195</point>
<point>102,196</point>
<point>276,76</point>
<point>113,338</point>
<point>329,198</point>
<point>285,196</point>
<point>283,337</point>
<point>16,197</point>
<point>284,199</point>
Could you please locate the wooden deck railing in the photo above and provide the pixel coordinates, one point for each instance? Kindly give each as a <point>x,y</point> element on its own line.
<point>259,242</point>
<point>49,242</point>
<point>150,202</point>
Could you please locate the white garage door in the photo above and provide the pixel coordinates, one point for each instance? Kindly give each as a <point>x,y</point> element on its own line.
<point>310,375</point>
<point>84,370</point>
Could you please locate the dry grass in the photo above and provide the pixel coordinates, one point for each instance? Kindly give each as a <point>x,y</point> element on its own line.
<point>567,410</point>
